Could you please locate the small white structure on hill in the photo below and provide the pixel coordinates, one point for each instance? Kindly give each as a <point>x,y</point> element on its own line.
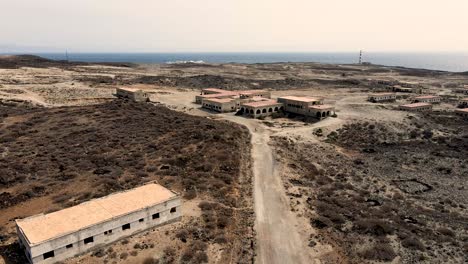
<point>133,94</point>
<point>49,238</point>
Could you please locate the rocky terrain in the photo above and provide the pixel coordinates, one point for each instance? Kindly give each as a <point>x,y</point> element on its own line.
<point>385,191</point>
<point>372,184</point>
<point>52,158</point>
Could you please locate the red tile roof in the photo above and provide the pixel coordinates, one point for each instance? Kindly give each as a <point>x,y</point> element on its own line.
<point>262,103</point>
<point>301,99</point>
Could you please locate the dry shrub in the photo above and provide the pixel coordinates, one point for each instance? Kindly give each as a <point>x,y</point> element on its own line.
<point>150,260</point>
<point>374,227</point>
<point>412,243</point>
<point>381,252</point>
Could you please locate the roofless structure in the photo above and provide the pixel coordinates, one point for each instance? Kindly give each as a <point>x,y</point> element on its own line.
<point>53,237</point>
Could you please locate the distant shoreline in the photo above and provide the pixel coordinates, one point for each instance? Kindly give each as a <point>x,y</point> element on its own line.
<point>447,62</point>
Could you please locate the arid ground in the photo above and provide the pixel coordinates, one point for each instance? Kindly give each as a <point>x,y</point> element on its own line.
<point>373,184</point>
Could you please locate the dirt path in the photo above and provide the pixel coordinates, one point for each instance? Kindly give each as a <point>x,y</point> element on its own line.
<point>278,235</point>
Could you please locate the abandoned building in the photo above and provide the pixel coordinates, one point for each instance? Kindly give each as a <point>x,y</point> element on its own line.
<point>416,107</point>
<point>381,97</point>
<point>133,94</point>
<point>54,237</point>
<point>199,98</point>
<point>401,89</point>
<point>433,99</point>
<point>244,96</point>
<point>213,91</point>
<point>321,111</point>
<point>221,105</point>
<point>462,112</point>
<point>463,103</point>
<point>261,108</point>
<point>307,106</point>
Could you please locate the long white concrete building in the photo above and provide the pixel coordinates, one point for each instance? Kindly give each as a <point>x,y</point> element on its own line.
<point>53,237</point>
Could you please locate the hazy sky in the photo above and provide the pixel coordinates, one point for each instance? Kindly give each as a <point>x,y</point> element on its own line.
<point>233,25</point>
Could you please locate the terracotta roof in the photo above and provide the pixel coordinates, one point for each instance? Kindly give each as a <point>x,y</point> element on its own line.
<point>321,107</point>
<point>301,99</point>
<point>416,105</point>
<point>464,99</point>
<point>464,110</point>
<point>262,103</point>
<point>43,227</point>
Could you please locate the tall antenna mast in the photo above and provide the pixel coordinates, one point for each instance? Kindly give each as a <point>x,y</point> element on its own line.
<point>360,57</point>
<point>66,55</point>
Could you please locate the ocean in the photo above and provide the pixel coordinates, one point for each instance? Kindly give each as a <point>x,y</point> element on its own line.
<point>455,62</point>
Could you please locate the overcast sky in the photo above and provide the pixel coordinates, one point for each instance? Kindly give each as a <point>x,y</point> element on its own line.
<point>233,25</point>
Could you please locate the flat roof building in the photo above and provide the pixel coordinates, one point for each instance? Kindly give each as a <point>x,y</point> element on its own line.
<point>53,237</point>
<point>381,97</point>
<point>199,98</point>
<point>427,99</point>
<point>133,94</point>
<point>210,93</point>
<point>321,111</point>
<point>401,89</point>
<point>462,112</point>
<point>261,108</point>
<point>221,105</point>
<point>416,107</point>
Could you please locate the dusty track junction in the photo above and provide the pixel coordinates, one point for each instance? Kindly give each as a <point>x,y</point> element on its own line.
<point>373,184</point>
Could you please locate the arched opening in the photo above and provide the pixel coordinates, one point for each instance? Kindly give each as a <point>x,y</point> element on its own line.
<point>251,111</point>
<point>276,109</point>
<point>270,110</point>
<point>318,115</point>
<point>323,114</point>
<point>328,113</point>
<point>264,110</point>
<point>281,108</point>
<point>258,111</point>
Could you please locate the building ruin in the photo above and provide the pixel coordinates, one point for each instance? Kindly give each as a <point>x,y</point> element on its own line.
<point>261,108</point>
<point>416,107</point>
<point>54,237</point>
<point>432,99</point>
<point>381,97</point>
<point>133,94</point>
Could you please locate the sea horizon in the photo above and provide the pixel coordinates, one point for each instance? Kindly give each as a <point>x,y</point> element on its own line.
<point>442,61</point>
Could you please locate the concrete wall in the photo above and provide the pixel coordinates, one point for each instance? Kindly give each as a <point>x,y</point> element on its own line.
<point>257,112</point>
<point>382,98</point>
<point>320,113</point>
<point>416,109</point>
<point>298,107</point>
<point>221,107</point>
<point>263,94</point>
<point>101,232</point>
<point>428,100</point>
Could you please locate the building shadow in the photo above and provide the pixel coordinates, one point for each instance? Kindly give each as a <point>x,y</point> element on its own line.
<point>13,254</point>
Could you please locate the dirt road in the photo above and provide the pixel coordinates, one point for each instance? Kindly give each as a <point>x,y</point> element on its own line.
<point>278,235</point>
